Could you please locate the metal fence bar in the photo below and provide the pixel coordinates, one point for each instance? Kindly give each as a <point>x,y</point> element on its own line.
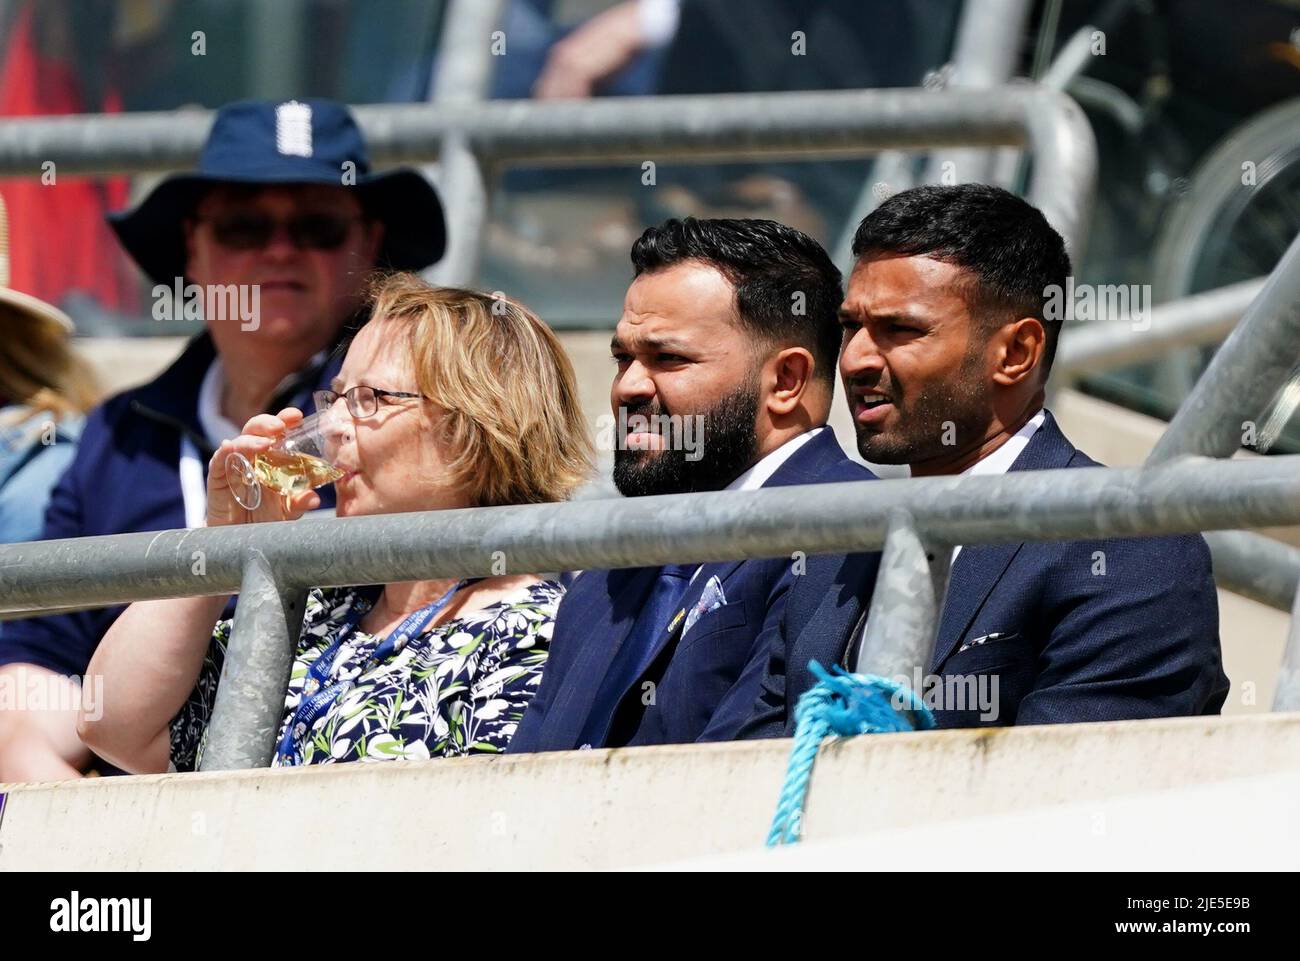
<point>1286,697</point>
<point>634,129</point>
<point>1244,378</point>
<point>249,705</point>
<point>986,53</point>
<point>1190,494</point>
<point>905,606</point>
<point>1255,566</point>
<point>1188,322</point>
<point>464,75</point>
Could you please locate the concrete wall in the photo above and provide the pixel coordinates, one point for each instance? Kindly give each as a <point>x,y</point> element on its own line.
<point>650,806</point>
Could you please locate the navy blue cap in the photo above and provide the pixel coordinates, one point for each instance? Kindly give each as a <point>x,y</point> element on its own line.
<point>291,142</point>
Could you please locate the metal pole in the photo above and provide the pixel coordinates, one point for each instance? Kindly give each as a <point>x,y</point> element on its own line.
<point>1191,321</point>
<point>464,186</point>
<point>1287,695</point>
<point>249,705</point>
<point>1190,494</point>
<point>985,55</point>
<point>615,129</point>
<point>464,75</point>
<point>905,607</point>
<point>1062,160</point>
<point>1241,383</point>
<point>278,35</point>
<point>1255,566</point>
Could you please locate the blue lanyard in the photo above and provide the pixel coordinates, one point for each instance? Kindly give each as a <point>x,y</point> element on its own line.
<point>318,694</point>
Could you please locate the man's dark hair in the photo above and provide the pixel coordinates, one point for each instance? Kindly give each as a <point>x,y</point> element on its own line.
<point>769,265</point>
<point>1007,244</point>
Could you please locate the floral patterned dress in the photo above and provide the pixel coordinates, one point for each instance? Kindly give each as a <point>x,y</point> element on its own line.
<point>458,688</point>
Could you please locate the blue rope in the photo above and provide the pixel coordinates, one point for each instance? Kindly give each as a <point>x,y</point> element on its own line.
<point>844,705</point>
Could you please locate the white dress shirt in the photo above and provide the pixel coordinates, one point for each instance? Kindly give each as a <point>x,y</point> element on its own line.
<point>998,462</point>
<point>762,471</point>
<point>216,427</point>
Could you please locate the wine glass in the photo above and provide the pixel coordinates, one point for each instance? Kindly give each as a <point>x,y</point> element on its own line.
<point>298,463</point>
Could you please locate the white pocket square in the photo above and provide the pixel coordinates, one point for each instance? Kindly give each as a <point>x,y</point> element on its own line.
<point>711,598</point>
<point>987,638</point>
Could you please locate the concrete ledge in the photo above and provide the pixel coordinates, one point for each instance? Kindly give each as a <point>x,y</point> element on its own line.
<point>1254,821</point>
<point>623,808</point>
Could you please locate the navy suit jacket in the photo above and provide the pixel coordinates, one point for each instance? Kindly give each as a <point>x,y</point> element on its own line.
<point>1085,630</point>
<point>698,688</point>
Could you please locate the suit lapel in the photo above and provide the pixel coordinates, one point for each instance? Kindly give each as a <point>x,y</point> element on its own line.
<point>973,577</point>
<point>809,463</point>
<point>804,466</point>
<point>615,615</point>
<point>677,623</point>
<point>979,567</point>
<point>837,616</point>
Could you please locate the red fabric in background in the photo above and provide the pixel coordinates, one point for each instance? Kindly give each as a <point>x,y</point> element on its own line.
<point>58,240</point>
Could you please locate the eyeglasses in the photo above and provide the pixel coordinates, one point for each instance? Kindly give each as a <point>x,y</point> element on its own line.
<point>253,231</point>
<point>362,401</point>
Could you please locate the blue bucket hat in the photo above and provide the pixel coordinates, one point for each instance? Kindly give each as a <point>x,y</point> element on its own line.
<point>294,142</point>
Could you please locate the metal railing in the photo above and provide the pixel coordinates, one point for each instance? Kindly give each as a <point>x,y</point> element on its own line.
<point>272,566</point>
<point>1193,321</point>
<point>695,129</point>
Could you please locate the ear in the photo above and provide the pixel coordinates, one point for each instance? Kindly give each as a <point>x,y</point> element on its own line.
<point>790,373</point>
<point>1019,347</point>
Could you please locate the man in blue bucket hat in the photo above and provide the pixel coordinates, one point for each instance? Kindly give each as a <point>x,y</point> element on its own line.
<point>267,245</point>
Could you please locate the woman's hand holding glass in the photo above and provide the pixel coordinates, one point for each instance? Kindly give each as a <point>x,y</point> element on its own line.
<point>269,472</point>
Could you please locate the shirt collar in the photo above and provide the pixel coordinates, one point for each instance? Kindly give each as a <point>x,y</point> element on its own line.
<point>762,472</point>
<point>215,425</point>
<point>1000,461</point>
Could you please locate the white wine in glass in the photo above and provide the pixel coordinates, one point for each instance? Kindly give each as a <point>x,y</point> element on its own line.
<point>294,466</point>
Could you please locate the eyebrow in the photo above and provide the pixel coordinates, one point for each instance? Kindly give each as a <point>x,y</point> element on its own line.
<point>336,383</point>
<point>651,343</point>
<point>903,315</point>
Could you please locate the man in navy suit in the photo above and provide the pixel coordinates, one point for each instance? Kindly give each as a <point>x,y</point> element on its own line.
<point>725,359</point>
<point>948,337</point>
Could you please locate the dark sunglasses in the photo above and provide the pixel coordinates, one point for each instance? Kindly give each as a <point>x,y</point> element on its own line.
<point>253,231</point>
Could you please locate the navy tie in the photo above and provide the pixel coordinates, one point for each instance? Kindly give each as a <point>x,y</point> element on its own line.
<point>636,653</point>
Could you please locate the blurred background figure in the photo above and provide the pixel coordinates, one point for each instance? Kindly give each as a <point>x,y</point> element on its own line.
<point>45,389</point>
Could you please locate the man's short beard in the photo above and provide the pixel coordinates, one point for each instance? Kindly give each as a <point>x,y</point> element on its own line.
<point>961,401</point>
<point>730,446</point>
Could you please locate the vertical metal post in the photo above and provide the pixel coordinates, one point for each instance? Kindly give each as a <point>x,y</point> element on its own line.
<point>1287,695</point>
<point>278,33</point>
<point>1247,373</point>
<point>250,699</point>
<point>464,74</point>
<point>985,54</point>
<point>905,608</point>
<point>463,186</point>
